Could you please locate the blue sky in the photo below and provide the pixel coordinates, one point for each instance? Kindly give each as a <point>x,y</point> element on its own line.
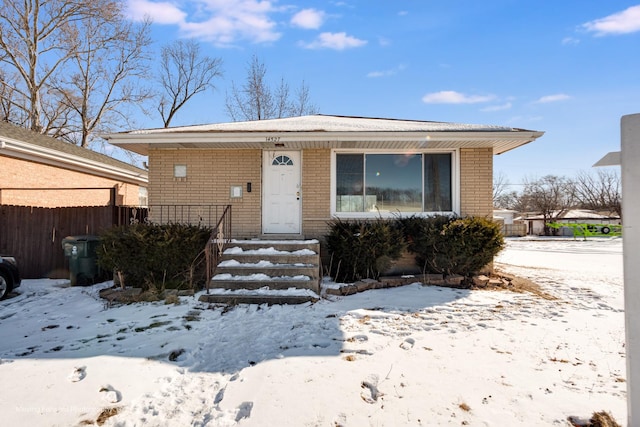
<point>570,68</point>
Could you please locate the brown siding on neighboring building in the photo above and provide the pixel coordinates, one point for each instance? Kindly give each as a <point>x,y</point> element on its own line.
<point>476,182</point>
<point>18,176</point>
<point>210,175</point>
<point>316,196</point>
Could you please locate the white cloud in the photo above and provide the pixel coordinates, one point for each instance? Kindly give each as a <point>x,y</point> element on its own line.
<point>159,12</point>
<point>492,108</point>
<point>387,73</point>
<point>384,42</point>
<point>403,13</point>
<point>570,41</point>
<point>222,22</point>
<point>552,98</point>
<point>627,21</point>
<point>337,41</point>
<point>453,97</point>
<point>310,19</point>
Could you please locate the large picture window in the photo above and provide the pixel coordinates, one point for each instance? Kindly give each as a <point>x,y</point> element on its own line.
<point>389,182</point>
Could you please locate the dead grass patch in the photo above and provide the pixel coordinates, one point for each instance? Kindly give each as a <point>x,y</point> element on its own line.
<point>598,419</point>
<point>520,285</point>
<point>107,413</point>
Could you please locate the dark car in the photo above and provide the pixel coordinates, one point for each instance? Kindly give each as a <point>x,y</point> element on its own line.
<point>9,275</point>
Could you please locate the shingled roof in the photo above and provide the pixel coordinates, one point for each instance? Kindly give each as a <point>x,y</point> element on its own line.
<point>325,131</point>
<point>13,132</point>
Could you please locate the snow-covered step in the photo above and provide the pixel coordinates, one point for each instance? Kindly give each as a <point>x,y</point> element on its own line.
<point>268,268</point>
<point>249,267</point>
<point>258,281</point>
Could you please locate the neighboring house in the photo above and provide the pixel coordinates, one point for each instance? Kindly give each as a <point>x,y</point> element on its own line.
<point>50,189</point>
<point>286,178</point>
<point>535,223</point>
<point>510,226</point>
<point>37,170</point>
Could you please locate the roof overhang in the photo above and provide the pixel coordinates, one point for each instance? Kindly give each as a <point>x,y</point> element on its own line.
<point>31,152</point>
<point>614,158</point>
<point>499,141</point>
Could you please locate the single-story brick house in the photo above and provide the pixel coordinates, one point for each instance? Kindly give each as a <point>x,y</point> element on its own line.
<point>37,170</point>
<point>288,177</point>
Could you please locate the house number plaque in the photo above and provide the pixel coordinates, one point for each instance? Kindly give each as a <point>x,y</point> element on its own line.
<point>272,138</point>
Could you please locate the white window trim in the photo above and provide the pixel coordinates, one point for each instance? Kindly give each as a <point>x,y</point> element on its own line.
<point>455,184</point>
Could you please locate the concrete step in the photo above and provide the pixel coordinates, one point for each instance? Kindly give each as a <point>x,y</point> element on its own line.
<point>249,258</point>
<point>251,265</point>
<point>282,283</point>
<point>279,245</point>
<point>231,299</point>
<point>273,270</point>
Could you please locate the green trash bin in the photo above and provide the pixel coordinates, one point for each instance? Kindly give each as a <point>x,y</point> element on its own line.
<point>81,252</point>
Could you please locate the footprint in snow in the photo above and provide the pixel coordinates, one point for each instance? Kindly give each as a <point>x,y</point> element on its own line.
<point>244,410</point>
<point>78,374</point>
<point>109,395</point>
<point>370,392</point>
<point>408,344</point>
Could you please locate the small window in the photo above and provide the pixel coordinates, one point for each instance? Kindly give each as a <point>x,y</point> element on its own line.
<point>282,161</point>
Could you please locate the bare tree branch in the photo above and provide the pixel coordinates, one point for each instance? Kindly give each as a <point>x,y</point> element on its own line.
<point>600,191</point>
<point>184,73</point>
<point>109,65</point>
<point>31,30</point>
<point>257,100</point>
<point>551,196</point>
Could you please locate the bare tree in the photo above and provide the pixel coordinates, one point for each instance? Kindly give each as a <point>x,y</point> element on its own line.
<point>184,73</point>
<point>108,67</point>
<point>32,30</point>
<point>12,107</point>
<point>552,196</point>
<point>73,61</point>
<point>503,198</point>
<point>600,191</point>
<point>256,99</point>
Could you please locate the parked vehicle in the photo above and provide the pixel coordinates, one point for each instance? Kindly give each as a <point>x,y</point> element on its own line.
<point>9,275</point>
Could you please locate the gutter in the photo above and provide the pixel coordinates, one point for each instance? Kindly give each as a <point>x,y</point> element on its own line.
<point>27,151</point>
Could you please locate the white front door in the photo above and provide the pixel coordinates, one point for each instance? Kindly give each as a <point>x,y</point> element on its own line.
<point>281,197</point>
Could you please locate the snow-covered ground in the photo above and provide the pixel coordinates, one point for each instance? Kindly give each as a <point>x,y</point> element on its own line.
<point>412,355</point>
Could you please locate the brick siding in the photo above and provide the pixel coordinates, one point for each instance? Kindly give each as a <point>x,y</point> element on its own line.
<point>476,182</point>
<point>316,186</point>
<point>210,175</point>
<point>23,174</point>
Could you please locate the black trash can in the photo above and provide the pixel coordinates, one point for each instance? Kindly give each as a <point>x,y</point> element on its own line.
<point>81,252</point>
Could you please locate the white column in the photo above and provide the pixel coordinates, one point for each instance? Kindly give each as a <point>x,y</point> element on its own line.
<point>630,143</point>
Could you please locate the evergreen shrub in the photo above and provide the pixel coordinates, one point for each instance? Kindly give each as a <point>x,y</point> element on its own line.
<point>451,245</point>
<point>362,249</point>
<point>155,256</point>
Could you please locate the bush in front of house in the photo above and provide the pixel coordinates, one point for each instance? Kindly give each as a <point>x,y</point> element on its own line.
<point>361,249</point>
<point>155,256</point>
<point>449,245</point>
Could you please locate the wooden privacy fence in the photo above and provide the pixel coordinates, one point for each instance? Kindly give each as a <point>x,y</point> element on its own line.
<point>34,235</point>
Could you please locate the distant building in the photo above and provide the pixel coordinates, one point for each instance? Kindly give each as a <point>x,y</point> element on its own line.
<point>535,223</point>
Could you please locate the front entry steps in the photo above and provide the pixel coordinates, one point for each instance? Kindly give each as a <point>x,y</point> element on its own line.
<point>267,271</point>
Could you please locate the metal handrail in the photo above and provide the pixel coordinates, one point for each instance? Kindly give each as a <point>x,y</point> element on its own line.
<point>218,241</point>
